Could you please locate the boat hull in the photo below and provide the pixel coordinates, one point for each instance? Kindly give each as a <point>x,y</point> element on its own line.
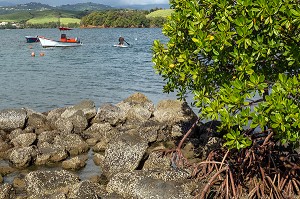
<point>52,43</point>
<point>32,39</point>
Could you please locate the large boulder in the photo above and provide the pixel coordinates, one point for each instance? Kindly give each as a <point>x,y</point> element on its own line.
<point>85,189</point>
<point>101,132</point>
<point>38,121</point>
<point>124,154</point>
<point>142,184</point>
<point>73,143</point>
<point>49,182</point>
<point>50,152</point>
<point>87,107</point>
<point>137,107</point>
<point>111,114</point>
<point>176,114</point>
<point>22,157</point>
<point>24,140</point>
<point>11,119</point>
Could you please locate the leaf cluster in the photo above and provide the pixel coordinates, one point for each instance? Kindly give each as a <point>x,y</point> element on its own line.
<point>240,59</point>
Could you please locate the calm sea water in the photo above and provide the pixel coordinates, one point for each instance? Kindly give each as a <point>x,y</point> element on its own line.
<point>65,76</point>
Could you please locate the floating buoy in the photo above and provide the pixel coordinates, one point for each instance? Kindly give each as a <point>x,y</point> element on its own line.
<point>30,47</point>
<point>32,54</point>
<point>42,54</point>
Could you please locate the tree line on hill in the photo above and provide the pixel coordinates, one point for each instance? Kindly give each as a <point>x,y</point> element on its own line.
<point>121,19</point>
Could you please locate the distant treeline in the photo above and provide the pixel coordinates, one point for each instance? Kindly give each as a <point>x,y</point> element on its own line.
<point>50,25</point>
<point>121,19</point>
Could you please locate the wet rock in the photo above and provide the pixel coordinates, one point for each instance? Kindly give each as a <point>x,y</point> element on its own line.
<point>49,182</point>
<point>73,143</point>
<point>24,140</point>
<point>11,119</point>
<point>22,157</point>
<point>74,163</point>
<point>137,184</point>
<point>124,154</point>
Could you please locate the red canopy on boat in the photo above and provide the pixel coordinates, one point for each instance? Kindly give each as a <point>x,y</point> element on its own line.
<point>64,28</point>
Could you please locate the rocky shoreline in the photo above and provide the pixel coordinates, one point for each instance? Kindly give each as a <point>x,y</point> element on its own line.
<point>126,141</point>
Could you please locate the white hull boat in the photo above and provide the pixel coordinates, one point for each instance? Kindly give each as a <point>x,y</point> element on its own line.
<point>52,43</point>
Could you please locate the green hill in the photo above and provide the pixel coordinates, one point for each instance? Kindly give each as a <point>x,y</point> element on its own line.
<point>161,13</point>
<point>45,16</point>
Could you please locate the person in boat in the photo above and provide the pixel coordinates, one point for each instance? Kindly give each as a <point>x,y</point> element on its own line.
<point>121,41</point>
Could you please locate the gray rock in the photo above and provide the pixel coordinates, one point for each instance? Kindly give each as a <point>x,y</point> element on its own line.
<point>24,140</point>
<point>76,118</point>
<point>137,107</point>
<point>176,114</point>
<point>37,120</point>
<point>124,154</point>
<point>157,160</point>
<point>73,143</point>
<point>47,136</point>
<point>11,119</point>
<point>22,157</point>
<point>49,182</point>
<point>87,107</point>
<point>63,125</point>
<point>104,132</point>
<point>111,114</point>
<point>48,153</point>
<point>149,130</point>
<point>15,133</point>
<point>137,184</point>
<point>84,189</point>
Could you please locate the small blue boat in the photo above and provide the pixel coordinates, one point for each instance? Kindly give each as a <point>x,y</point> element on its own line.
<point>32,39</point>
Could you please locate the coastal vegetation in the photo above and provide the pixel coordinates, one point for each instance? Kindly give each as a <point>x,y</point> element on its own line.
<point>240,60</point>
<point>122,19</point>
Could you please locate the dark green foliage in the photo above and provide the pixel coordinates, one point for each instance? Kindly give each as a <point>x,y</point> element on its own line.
<point>241,61</point>
<point>121,18</point>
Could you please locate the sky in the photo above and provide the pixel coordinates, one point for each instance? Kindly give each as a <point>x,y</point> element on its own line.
<point>105,2</point>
